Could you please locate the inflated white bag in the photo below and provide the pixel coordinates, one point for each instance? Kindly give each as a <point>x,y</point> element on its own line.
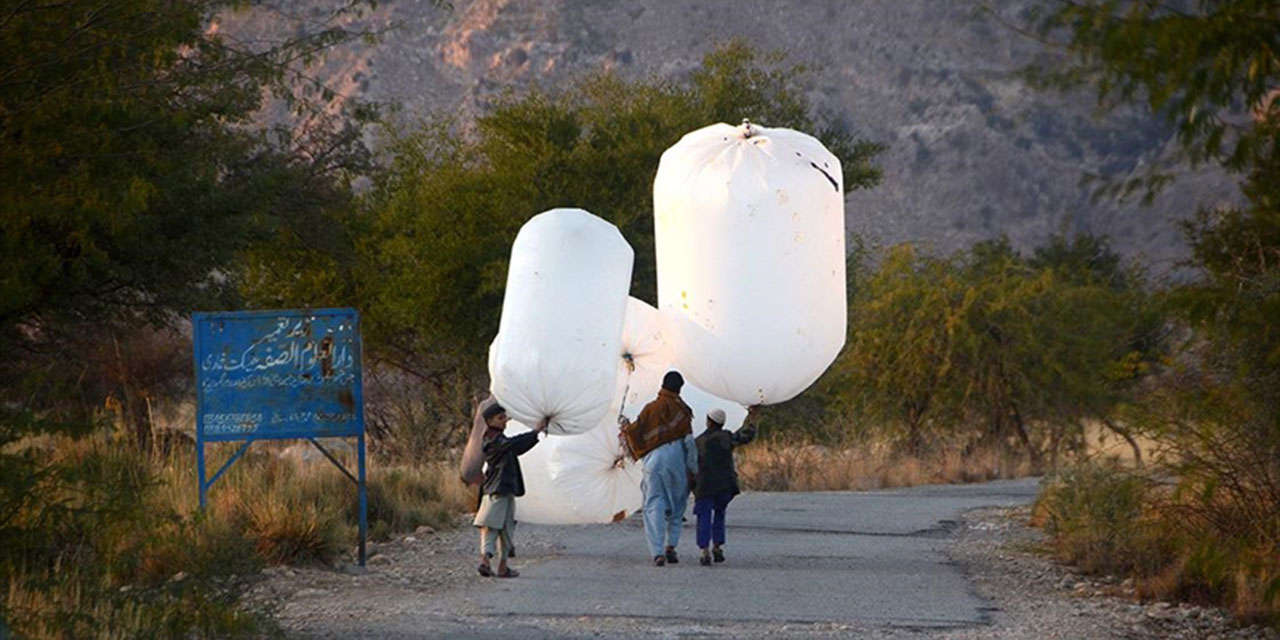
<point>556,351</point>
<point>587,478</point>
<point>578,479</point>
<point>645,358</point>
<point>750,239</point>
<point>541,503</point>
<point>649,357</point>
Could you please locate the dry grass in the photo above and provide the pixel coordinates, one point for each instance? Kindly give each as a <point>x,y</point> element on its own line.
<point>135,557</point>
<point>1115,521</point>
<point>768,466</point>
<point>299,510</point>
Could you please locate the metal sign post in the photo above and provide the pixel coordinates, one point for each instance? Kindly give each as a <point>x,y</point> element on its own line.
<point>280,375</point>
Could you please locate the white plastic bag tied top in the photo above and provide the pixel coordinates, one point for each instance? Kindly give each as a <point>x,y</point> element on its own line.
<point>578,479</point>
<point>644,359</point>
<point>602,484</point>
<point>556,352</point>
<point>750,239</point>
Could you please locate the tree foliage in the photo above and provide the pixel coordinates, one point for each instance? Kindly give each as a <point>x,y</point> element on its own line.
<point>1208,67</point>
<point>135,164</point>
<point>1212,68</point>
<point>986,344</point>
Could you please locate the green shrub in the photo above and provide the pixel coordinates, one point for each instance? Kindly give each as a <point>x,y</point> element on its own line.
<point>1097,517</point>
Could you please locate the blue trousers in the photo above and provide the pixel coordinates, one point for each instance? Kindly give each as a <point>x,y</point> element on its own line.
<point>710,512</point>
<point>666,494</point>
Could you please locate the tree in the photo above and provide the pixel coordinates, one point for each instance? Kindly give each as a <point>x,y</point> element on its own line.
<point>137,168</point>
<point>898,366</point>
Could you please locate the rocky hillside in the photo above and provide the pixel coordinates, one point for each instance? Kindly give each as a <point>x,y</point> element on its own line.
<point>973,152</point>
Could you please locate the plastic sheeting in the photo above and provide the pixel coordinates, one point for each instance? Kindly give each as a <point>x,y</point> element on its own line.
<point>558,341</point>
<point>750,239</point>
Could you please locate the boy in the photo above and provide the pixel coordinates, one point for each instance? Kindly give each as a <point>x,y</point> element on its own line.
<point>716,483</point>
<point>503,483</point>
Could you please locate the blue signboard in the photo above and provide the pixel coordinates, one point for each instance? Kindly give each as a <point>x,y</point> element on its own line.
<point>272,375</point>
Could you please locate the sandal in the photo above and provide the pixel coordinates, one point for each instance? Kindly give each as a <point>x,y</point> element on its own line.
<point>485,571</point>
<point>509,573</point>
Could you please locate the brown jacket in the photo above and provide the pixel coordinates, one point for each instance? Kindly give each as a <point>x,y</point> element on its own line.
<point>663,420</point>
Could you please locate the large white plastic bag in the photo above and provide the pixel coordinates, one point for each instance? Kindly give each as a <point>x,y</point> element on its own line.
<point>586,477</point>
<point>556,351</point>
<point>541,503</point>
<point>592,470</point>
<point>750,240</point>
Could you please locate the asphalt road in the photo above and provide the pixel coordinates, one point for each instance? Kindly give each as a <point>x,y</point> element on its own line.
<point>816,560</point>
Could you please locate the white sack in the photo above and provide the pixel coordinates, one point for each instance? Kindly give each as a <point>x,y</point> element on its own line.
<point>557,346</point>
<point>750,240</point>
<point>586,478</point>
<point>541,502</point>
<point>645,340</point>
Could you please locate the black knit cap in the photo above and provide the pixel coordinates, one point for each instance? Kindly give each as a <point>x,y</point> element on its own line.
<point>673,381</point>
<point>492,410</point>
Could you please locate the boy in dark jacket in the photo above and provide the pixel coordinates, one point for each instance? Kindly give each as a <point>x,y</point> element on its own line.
<point>716,483</point>
<point>503,483</point>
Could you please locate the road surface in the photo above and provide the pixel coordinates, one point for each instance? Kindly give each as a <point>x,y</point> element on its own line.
<point>814,563</point>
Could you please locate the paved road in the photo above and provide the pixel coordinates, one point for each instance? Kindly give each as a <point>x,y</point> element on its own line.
<point>817,560</point>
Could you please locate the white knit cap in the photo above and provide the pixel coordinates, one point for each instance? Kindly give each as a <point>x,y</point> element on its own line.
<point>717,416</point>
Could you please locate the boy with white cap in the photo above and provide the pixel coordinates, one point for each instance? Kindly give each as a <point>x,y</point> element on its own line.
<point>716,483</point>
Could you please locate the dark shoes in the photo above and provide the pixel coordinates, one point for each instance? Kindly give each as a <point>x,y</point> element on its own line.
<point>704,560</point>
<point>672,558</point>
<point>659,561</point>
<point>488,572</point>
<point>717,554</point>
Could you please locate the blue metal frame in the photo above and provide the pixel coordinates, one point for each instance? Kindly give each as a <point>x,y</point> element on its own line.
<point>297,389</point>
